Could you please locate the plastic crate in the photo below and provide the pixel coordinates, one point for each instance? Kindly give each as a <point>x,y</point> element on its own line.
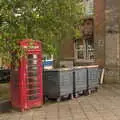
<point>58,83</point>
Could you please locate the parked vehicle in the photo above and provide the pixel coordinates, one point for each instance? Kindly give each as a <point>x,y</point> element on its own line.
<point>4,75</point>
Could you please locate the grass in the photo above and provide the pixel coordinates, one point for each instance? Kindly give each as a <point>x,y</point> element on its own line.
<point>4,91</point>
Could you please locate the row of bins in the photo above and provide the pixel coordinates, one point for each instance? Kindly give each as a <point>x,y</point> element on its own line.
<point>69,82</point>
<point>86,79</point>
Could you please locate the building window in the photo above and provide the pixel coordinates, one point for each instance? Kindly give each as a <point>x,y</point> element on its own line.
<point>84,47</point>
<point>89,7</point>
<point>79,49</point>
<point>84,50</point>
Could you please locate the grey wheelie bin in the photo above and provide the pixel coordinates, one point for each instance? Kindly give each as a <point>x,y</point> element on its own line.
<point>80,80</point>
<point>92,77</point>
<point>58,83</point>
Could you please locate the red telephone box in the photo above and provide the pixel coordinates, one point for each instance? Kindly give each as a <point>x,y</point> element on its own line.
<point>26,80</point>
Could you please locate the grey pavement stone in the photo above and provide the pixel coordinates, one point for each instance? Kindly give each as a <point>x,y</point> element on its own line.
<point>103,105</point>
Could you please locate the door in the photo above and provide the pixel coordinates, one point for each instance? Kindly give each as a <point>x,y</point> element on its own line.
<point>34,78</point>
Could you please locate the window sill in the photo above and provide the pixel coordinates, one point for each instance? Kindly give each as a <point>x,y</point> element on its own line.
<point>85,61</point>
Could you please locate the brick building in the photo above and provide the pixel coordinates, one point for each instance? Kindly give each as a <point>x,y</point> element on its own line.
<point>101,40</point>
<point>81,51</point>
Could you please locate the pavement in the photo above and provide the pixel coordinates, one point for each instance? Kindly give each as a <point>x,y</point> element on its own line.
<point>102,105</point>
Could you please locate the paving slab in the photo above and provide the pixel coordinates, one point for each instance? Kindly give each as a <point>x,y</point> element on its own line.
<point>102,105</point>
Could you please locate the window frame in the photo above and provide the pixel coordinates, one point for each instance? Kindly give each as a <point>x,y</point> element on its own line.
<point>85,53</point>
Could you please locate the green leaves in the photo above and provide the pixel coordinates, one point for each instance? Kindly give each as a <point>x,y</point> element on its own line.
<point>45,20</point>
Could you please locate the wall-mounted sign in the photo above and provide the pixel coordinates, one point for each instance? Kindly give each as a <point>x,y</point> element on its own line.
<point>31,47</point>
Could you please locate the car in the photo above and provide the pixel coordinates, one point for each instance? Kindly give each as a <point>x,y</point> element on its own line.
<point>4,75</point>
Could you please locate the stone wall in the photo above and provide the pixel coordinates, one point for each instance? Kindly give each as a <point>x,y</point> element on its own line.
<point>112,41</point>
<point>107,38</point>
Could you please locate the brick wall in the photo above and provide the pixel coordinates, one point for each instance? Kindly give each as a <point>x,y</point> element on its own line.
<point>67,49</point>
<point>99,31</point>
<point>67,52</point>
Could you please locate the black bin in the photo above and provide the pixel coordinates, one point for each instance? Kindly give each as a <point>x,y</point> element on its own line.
<point>58,83</point>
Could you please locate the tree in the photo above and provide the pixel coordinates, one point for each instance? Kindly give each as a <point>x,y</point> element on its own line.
<point>45,20</point>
